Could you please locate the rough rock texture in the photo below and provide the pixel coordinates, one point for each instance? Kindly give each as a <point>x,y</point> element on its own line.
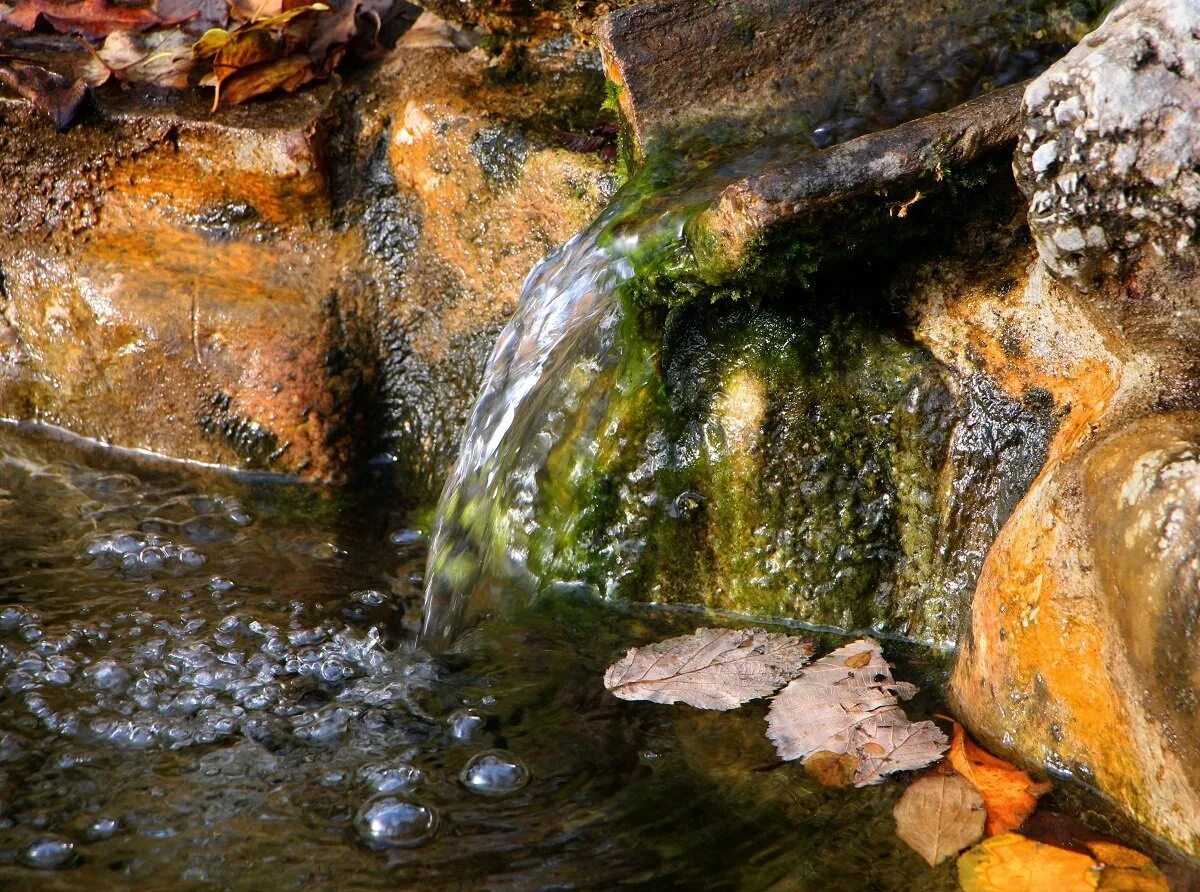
<point>825,69</point>
<point>260,287</point>
<point>467,185</point>
<point>1111,143</point>
<point>1081,650</point>
<point>162,289</point>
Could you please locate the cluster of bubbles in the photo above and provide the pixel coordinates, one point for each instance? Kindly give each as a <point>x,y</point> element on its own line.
<point>156,621</point>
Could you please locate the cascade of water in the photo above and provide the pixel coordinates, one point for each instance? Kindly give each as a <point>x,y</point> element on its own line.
<point>563,333</point>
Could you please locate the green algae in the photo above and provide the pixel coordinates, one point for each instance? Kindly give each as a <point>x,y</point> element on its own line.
<point>764,462</point>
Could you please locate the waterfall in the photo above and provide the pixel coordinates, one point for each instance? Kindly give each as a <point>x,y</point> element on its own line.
<point>564,334</point>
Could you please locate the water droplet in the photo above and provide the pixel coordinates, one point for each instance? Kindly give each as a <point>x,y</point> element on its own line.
<point>50,853</point>
<point>494,773</point>
<point>388,822</point>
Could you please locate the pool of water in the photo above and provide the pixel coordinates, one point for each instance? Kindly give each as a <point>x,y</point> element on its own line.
<point>213,683</point>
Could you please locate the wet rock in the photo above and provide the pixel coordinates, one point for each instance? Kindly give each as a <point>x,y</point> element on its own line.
<point>879,175</point>
<point>283,285</point>
<point>1080,654</point>
<point>162,287</point>
<point>471,159</point>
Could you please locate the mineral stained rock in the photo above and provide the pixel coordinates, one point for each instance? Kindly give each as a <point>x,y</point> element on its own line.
<point>1081,653</point>
<point>259,287</point>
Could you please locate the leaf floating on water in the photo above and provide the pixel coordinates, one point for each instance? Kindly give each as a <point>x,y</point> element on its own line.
<point>709,669</point>
<point>1009,793</point>
<point>846,703</point>
<point>1010,862</point>
<point>940,815</point>
<point>1126,870</point>
<point>52,94</point>
<point>898,745</point>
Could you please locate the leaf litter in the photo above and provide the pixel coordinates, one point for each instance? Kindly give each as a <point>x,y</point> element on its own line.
<point>241,48</point>
<point>841,716</point>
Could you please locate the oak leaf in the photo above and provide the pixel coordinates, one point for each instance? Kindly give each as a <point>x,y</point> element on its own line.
<point>1009,793</point>
<point>846,703</point>
<point>939,815</point>
<point>1011,863</point>
<point>709,669</point>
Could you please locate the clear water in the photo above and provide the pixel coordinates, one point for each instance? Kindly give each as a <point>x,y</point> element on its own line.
<point>213,684</point>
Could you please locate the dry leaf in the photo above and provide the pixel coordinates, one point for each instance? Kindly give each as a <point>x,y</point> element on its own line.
<point>846,703</point>
<point>286,74</point>
<point>1009,793</point>
<point>940,815</point>
<point>161,58</point>
<point>896,744</point>
<point>90,18</point>
<point>1011,863</point>
<point>709,669</point>
<point>52,94</point>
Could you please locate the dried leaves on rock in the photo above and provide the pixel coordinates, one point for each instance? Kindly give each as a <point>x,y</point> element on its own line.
<point>940,815</point>
<point>1009,793</point>
<point>241,48</point>
<point>847,704</point>
<point>709,669</point>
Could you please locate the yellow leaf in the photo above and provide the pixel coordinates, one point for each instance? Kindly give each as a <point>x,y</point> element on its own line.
<point>1011,863</point>
<point>1009,794</point>
<point>1126,870</point>
<point>832,769</point>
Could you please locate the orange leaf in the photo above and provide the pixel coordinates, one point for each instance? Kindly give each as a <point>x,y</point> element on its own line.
<point>1126,870</point>
<point>1011,863</point>
<point>1009,794</point>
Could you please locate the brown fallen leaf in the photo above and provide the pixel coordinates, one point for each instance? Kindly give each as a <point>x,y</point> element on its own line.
<point>160,58</point>
<point>1009,793</point>
<point>847,703</point>
<point>285,74</point>
<point>52,94</point>
<point>1011,863</point>
<point>709,669</point>
<point>896,744</point>
<point>832,769</point>
<point>89,18</point>
<point>255,58</point>
<point>939,815</point>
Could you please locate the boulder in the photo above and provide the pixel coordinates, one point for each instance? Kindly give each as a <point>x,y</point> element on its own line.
<point>1080,655</point>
